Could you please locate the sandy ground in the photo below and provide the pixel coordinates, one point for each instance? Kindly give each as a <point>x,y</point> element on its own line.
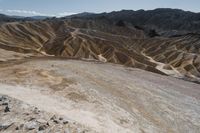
<point>105,98</point>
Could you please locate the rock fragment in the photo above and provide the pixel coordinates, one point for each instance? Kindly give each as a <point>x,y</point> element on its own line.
<point>31,125</point>
<point>42,121</point>
<point>7,109</point>
<point>42,127</point>
<point>5,103</point>
<point>65,121</point>
<point>54,119</point>
<point>5,126</point>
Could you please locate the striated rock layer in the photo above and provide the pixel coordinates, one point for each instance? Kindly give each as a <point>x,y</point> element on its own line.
<point>102,40</point>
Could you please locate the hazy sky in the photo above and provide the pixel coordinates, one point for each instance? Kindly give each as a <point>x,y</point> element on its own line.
<point>66,7</point>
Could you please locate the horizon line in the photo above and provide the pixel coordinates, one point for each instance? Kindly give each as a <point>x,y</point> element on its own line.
<point>63,14</point>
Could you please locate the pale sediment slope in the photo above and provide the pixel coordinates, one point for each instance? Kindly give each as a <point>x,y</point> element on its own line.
<point>104,97</point>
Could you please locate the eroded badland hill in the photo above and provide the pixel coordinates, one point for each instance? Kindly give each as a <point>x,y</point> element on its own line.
<point>103,73</point>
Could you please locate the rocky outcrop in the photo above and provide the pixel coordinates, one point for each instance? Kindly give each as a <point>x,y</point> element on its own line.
<point>19,117</point>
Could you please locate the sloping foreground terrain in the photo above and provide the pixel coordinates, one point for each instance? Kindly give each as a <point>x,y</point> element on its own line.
<point>20,117</point>
<point>95,97</point>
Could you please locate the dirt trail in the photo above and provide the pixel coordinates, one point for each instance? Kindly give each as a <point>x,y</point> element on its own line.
<point>160,66</point>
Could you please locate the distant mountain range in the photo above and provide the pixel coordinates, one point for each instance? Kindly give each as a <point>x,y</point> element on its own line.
<point>161,19</point>
<point>169,21</point>
<point>7,18</point>
<point>33,17</point>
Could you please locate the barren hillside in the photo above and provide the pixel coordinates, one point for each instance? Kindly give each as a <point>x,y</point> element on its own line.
<point>102,40</point>
<point>95,73</point>
<point>101,97</point>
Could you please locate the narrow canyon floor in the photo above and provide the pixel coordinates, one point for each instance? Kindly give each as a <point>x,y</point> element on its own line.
<point>99,97</point>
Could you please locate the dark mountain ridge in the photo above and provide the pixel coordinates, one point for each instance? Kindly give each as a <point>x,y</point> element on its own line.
<point>7,18</point>
<point>162,19</point>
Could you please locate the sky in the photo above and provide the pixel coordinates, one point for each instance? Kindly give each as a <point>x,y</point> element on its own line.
<point>61,8</point>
